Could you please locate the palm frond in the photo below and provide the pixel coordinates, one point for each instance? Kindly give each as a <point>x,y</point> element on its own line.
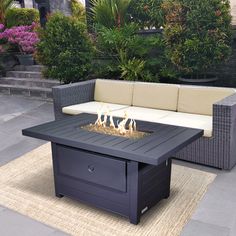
<point>110,13</point>
<point>7,3</point>
<point>4,6</point>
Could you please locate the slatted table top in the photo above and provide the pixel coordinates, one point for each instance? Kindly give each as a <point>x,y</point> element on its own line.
<point>162,142</point>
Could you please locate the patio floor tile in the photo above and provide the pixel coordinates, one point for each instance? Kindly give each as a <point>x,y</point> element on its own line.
<point>58,233</point>
<point>233,230</point>
<point>197,228</point>
<point>18,149</point>
<point>226,179</point>
<point>44,112</point>
<point>12,106</point>
<point>218,215</point>
<point>12,223</point>
<point>17,123</point>
<point>2,208</point>
<point>8,140</point>
<point>218,207</point>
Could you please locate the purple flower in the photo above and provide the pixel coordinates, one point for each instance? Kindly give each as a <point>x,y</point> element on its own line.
<point>2,26</point>
<point>24,37</point>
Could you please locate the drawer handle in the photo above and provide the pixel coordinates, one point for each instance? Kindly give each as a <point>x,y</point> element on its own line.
<point>91,168</point>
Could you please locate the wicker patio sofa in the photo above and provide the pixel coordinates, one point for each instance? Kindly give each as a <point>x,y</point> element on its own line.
<point>208,108</point>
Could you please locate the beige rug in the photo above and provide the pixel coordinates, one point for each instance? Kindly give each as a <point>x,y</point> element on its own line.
<point>26,186</point>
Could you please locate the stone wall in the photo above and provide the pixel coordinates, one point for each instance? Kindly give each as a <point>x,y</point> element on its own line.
<point>60,5</point>
<point>28,3</point>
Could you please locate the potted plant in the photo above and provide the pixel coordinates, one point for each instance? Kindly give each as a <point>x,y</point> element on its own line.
<point>198,37</point>
<point>7,58</point>
<point>23,40</point>
<point>1,67</point>
<point>2,49</point>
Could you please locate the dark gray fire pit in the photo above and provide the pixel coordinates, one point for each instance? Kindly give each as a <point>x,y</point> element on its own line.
<point>122,175</point>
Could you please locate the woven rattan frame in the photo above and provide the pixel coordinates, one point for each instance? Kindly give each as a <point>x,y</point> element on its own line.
<point>218,151</point>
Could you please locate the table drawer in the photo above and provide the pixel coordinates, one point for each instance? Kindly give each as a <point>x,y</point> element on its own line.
<point>92,167</point>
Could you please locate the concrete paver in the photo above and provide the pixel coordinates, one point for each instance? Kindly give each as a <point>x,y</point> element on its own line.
<point>197,228</point>
<point>12,223</point>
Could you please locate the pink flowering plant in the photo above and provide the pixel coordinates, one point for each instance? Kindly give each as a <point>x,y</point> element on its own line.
<point>2,27</point>
<point>23,38</point>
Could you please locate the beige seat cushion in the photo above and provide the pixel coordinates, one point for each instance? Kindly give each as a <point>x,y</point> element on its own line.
<point>189,120</point>
<point>91,107</point>
<point>169,117</point>
<point>112,91</point>
<point>200,100</point>
<point>141,113</point>
<point>155,95</point>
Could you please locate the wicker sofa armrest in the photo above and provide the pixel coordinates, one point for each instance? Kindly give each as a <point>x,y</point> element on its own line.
<point>224,129</point>
<point>71,94</point>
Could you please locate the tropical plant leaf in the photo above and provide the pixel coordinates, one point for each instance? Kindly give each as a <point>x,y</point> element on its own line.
<point>110,13</point>
<point>4,6</point>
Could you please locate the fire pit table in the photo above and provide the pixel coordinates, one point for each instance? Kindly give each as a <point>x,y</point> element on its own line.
<point>123,175</point>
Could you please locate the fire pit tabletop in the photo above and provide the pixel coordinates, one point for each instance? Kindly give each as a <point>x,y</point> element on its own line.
<point>161,142</point>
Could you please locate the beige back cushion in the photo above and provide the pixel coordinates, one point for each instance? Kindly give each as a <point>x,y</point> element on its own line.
<point>200,100</point>
<point>112,91</point>
<point>158,96</point>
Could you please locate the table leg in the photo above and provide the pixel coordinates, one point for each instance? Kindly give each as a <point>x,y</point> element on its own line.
<point>168,165</point>
<point>134,192</point>
<point>59,195</point>
<point>54,156</point>
<point>160,180</point>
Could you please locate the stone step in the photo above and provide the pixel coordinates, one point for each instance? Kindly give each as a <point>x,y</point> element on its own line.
<point>42,83</point>
<point>24,74</point>
<point>32,92</point>
<point>34,68</point>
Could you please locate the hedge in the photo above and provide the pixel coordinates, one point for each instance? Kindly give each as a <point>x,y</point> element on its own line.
<point>21,16</point>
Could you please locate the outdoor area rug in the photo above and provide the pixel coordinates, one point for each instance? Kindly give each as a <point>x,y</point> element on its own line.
<point>26,186</point>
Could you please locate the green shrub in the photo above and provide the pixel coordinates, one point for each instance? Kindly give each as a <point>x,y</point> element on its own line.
<point>136,57</point>
<point>147,13</point>
<point>111,40</point>
<point>197,34</point>
<point>134,69</point>
<point>78,10</point>
<point>21,16</point>
<point>65,49</point>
